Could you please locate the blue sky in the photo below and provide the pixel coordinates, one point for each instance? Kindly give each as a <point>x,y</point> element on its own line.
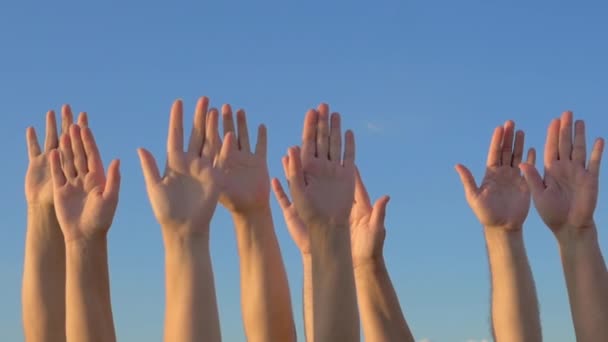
<point>422,84</point>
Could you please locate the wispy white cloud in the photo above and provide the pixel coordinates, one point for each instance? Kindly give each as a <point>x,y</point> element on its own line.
<point>425,340</point>
<point>377,128</point>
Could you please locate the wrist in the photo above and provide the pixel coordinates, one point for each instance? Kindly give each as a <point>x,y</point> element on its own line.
<point>184,232</point>
<point>501,233</point>
<point>568,234</point>
<point>185,237</point>
<point>42,224</point>
<point>253,216</point>
<point>365,266</point>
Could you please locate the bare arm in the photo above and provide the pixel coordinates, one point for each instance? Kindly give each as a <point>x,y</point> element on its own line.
<point>191,306</point>
<point>43,293</point>
<point>265,296</point>
<point>322,186</point>
<point>566,198</point>
<point>85,203</point>
<point>515,315</point>
<point>299,234</point>
<point>89,312</point>
<point>381,313</point>
<point>587,282</point>
<point>184,200</point>
<point>264,291</point>
<point>501,204</point>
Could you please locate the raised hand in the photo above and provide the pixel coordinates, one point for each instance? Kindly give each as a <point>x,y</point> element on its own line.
<point>366,221</point>
<point>567,195</point>
<point>184,200</point>
<point>38,180</point>
<point>85,201</point>
<point>501,204</point>
<point>246,187</point>
<point>186,196</point>
<point>297,228</point>
<point>367,225</point>
<point>565,199</point>
<point>503,199</point>
<point>265,298</point>
<point>44,276</point>
<point>321,180</point>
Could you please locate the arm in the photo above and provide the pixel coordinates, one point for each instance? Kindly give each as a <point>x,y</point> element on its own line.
<point>587,282</point>
<point>322,186</point>
<point>191,306</point>
<point>183,201</point>
<point>85,203</point>
<point>515,314</point>
<point>43,294</point>
<point>566,198</point>
<point>502,204</point>
<point>265,296</point>
<point>299,234</point>
<point>89,312</point>
<point>381,313</point>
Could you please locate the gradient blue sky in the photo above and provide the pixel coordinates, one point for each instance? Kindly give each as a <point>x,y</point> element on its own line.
<point>421,83</point>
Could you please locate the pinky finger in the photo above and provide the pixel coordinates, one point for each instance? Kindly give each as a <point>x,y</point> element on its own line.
<point>56,172</point>
<point>33,147</point>
<point>596,157</point>
<point>349,148</point>
<point>113,182</point>
<point>280,194</point>
<point>531,156</point>
<point>83,120</point>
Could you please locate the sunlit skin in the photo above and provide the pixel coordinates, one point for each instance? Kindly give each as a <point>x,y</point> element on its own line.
<point>43,294</point>
<point>85,202</point>
<point>381,314</point>
<point>265,297</point>
<point>501,204</point>
<point>184,200</point>
<point>566,197</point>
<point>321,178</point>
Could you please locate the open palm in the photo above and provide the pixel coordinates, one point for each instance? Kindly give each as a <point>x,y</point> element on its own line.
<point>367,229</point>
<point>503,198</point>
<point>38,179</point>
<point>321,180</point>
<point>186,196</point>
<point>85,201</point>
<point>568,194</point>
<point>247,184</point>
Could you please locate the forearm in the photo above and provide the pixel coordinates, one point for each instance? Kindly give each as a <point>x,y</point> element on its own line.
<point>43,292</point>
<point>307,297</point>
<point>587,282</point>
<point>515,315</point>
<point>265,296</point>
<point>88,303</point>
<point>381,313</point>
<point>191,307</point>
<point>334,295</point>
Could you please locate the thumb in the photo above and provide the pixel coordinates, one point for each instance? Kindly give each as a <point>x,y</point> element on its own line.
<point>467,179</point>
<point>533,179</point>
<point>149,167</point>
<point>379,210</point>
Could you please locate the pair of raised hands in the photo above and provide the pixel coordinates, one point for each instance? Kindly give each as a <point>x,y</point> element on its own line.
<point>326,186</point>
<point>68,174</point>
<point>184,198</point>
<point>565,197</point>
